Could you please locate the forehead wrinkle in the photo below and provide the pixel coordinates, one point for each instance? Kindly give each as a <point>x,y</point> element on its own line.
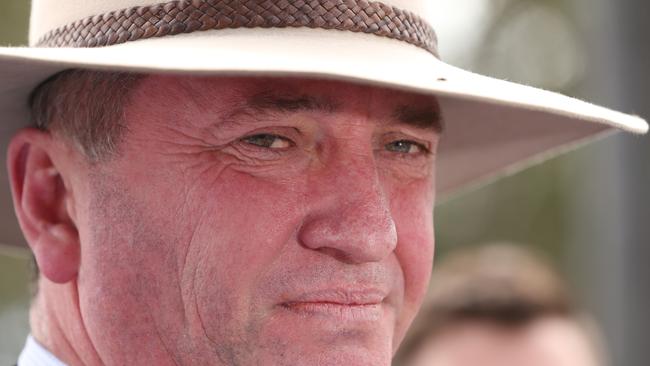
<point>219,100</point>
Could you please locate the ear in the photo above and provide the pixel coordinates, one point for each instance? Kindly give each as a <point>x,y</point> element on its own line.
<point>41,200</point>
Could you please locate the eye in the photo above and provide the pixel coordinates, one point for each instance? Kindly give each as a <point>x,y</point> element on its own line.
<point>406,147</point>
<point>268,141</point>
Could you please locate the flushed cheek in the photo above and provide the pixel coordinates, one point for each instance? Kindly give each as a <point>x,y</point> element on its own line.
<point>413,213</point>
<point>415,255</point>
<point>246,226</point>
<point>128,280</point>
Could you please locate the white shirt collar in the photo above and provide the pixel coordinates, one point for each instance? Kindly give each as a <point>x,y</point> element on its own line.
<point>34,354</point>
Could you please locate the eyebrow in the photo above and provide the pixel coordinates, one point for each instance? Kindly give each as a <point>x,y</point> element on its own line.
<point>269,101</point>
<point>429,117</point>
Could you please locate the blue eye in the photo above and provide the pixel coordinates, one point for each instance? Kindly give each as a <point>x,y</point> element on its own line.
<point>268,141</point>
<point>405,147</point>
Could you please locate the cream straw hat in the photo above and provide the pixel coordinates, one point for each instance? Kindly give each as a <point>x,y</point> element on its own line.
<point>493,127</point>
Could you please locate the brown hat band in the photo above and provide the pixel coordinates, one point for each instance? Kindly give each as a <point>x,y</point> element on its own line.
<point>189,16</point>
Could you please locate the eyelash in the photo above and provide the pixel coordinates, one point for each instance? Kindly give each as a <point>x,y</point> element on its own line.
<point>423,149</point>
<point>247,140</point>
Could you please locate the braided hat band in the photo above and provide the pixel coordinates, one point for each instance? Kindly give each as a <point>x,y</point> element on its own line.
<point>189,16</point>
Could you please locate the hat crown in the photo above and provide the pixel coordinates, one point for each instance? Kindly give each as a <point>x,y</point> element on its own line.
<point>49,15</point>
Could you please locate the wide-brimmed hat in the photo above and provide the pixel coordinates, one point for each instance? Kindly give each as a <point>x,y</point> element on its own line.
<point>493,127</point>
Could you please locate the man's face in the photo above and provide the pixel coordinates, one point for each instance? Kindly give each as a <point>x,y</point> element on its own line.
<point>259,222</point>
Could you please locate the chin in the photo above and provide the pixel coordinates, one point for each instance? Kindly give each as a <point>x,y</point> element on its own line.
<point>332,356</point>
<point>311,338</point>
<point>312,346</point>
<point>354,358</point>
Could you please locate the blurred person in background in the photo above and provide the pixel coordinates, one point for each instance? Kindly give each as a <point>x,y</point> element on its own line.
<point>500,305</point>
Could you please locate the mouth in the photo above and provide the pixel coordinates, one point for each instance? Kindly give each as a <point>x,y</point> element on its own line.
<point>339,305</point>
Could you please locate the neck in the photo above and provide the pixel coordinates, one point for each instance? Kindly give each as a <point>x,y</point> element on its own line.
<point>57,324</point>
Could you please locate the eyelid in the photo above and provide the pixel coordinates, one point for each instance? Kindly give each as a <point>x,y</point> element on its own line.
<point>423,145</point>
<point>392,137</point>
<point>267,153</point>
<point>288,133</point>
<point>422,149</point>
<point>290,141</point>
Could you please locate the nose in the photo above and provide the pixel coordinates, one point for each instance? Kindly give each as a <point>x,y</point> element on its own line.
<point>351,218</point>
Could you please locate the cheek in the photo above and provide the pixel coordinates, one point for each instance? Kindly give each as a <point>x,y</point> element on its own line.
<point>412,209</point>
<point>415,254</point>
<point>246,225</point>
<point>128,280</point>
<point>245,221</point>
<point>191,260</point>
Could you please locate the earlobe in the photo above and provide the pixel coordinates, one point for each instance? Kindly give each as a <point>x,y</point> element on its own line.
<point>57,253</point>
<point>41,202</point>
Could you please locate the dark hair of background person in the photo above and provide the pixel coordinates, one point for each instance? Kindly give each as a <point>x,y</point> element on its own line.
<point>504,285</point>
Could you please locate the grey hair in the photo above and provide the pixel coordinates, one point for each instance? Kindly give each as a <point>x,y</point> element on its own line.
<point>86,107</point>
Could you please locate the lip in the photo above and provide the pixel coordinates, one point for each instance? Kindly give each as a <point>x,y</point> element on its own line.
<point>348,305</point>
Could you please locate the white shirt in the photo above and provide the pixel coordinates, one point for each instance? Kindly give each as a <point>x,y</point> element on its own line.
<point>34,354</point>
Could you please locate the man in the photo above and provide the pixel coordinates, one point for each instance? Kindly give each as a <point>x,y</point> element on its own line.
<point>247,182</point>
<point>499,305</point>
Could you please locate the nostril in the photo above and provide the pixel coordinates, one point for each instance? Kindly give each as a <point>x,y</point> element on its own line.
<point>339,255</point>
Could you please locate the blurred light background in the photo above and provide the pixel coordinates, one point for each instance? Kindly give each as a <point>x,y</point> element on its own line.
<point>588,210</point>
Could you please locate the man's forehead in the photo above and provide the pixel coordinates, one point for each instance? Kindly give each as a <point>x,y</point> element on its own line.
<point>232,95</point>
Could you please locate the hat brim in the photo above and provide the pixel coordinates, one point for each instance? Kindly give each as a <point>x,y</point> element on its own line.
<point>493,127</point>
